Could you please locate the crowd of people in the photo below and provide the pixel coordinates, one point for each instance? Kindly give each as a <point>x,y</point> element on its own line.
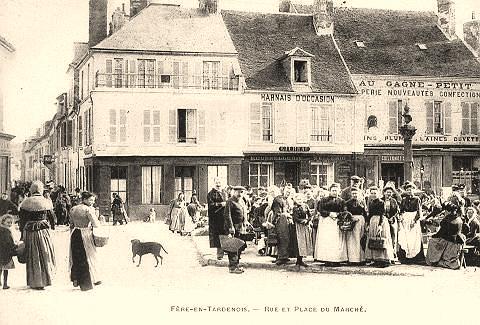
<point>354,226</point>
<point>183,217</point>
<point>38,211</point>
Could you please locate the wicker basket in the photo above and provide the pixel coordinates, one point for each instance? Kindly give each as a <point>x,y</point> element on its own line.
<point>100,241</point>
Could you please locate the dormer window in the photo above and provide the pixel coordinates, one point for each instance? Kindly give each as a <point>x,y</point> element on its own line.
<point>360,44</point>
<point>300,69</point>
<point>298,66</point>
<point>422,46</point>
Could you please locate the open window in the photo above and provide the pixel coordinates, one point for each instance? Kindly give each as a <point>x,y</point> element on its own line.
<point>300,69</point>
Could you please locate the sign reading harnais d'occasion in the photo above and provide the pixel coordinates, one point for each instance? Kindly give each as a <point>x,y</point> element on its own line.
<point>286,97</point>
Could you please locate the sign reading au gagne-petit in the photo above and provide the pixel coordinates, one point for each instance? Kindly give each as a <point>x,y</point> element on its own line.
<point>418,88</point>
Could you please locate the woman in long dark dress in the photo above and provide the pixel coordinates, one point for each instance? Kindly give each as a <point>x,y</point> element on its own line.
<point>444,248</point>
<point>83,270</point>
<point>36,218</point>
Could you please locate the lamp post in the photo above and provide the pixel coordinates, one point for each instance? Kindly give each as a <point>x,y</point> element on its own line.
<point>407,131</point>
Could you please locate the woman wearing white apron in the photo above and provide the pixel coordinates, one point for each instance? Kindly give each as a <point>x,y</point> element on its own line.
<point>409,230</point>
<point>391,212</point>
<point>378,228</point>
<point>355,252</point>
<point>330,246</point>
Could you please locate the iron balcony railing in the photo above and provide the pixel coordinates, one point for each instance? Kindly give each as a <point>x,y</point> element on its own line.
<point>135,80</point>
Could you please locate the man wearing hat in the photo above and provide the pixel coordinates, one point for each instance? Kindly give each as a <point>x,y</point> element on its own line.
<point>409,230</point>
<point>356,206</point>
<point>235,225</point>
<point>216,206</point>
<point>347,192</point>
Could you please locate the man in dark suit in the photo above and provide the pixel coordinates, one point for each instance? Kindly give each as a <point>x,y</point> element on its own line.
<point>347,192</point>
<point>216,205</point>
<point>235,225</point>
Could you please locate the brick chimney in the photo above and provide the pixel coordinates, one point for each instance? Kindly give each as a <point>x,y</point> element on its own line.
<point>471,35</point>
<point>97,21</point>
<point>209,6</point>
<point>323,17</point>
<point>284,5</point>
<point>119,18</point>
<point>446,17</point>
<point>137,5</point>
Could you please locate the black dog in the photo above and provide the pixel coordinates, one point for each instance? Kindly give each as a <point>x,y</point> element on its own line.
<point>139,248</point>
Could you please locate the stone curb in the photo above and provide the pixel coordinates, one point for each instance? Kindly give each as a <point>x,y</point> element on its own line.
<point>206,260</point>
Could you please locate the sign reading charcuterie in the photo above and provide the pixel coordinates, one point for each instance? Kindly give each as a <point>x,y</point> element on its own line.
<point>294,149</point>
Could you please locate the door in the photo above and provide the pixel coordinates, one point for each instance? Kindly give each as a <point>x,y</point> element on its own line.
<point>394,173</point>
<point>291,173</point>
<point>184,181</point>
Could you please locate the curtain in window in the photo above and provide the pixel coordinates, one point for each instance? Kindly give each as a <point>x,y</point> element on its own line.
<point>146,185</point>
<point>191,125</point>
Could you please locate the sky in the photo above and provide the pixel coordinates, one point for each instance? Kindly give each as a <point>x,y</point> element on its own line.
<point>43,33</point>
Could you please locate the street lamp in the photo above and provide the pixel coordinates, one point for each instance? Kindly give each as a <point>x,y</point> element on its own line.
<point>407,131</point>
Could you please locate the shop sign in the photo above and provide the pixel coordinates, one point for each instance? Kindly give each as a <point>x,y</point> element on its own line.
<point>294,149</point>
<point>305,98</point>
<point>430,139</point>
<point>276,158</point>
<point>418,88</point>
<point>393,158</point>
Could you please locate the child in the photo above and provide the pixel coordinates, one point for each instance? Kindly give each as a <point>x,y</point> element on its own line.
<point>152,216</point>
<point>7,247</point>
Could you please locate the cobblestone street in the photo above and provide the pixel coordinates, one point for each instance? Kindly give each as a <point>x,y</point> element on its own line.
<point>148,294</point>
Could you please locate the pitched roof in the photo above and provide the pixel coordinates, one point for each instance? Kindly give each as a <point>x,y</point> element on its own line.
<point>6,44</point>
<point>391,38</point>
<point>171,29</point>
<point>79,49</point>
<point>273,35</point>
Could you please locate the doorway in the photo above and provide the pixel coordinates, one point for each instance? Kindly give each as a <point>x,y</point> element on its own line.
<point>393,173</point>
<point>184,181</point>
<point>291,173</point>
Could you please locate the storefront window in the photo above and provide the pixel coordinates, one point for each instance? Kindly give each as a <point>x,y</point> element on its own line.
<point>321,174</point>
<point>466,171</point>
<point>118,181</point>
<point>260,174</point>
<point>220,172</point>
<point>152,185</point>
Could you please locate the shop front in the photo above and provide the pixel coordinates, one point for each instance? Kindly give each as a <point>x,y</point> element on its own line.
<point>146,182</point>
<point>284,168</point>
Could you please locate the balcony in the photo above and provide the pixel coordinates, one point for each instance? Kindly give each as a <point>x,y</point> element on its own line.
<point>152,81</point>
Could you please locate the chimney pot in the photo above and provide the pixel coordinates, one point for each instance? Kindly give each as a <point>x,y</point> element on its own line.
<point>323,17</point>
<point>97,22</point>
<point>446,17</point>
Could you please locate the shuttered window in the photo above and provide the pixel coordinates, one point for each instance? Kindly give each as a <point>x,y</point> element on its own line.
<point>470,118</point>
<point>118,125</point>
<point>151,126</point>
<point>80,131</point>
<point>395,119</point>
<point>108,73</point>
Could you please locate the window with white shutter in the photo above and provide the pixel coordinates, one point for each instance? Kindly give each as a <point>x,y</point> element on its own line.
<point>151,126</point>
<point>267,122</point>
<point>255,122</point>
<point>303,123</point>
<point>176,75</point>
<point>108,73</point>
<point>172,126</point>
<point>281,126</point>
<point>118,73</point>
<point>113,125</point>
<point>118,125</point>
<point>341,124</point>
<point>395,119</point>
<point>188,126</point>
<point>470,118</point>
